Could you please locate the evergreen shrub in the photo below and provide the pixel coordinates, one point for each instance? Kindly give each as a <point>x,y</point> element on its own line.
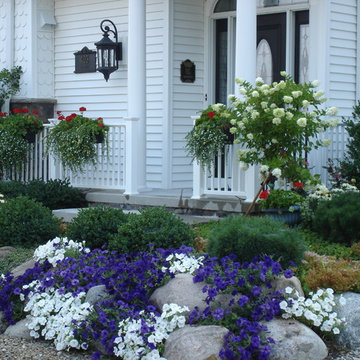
<point>26,223</point>
<point>337,220</point>
<point>153,226</point>
<point>95,225</point>
<point>256,236</point>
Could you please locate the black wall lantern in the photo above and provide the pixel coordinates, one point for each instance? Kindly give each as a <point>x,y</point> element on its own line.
<point>109,53</point>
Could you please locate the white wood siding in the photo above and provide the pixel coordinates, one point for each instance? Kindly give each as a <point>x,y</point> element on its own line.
<point>157,91</point>
<point>342,55</point>
<point>187,98</point>
<point>78,26</point>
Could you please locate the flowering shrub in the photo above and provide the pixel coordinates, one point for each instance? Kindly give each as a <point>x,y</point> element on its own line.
<point>281,199</point>
<point>278,122</point>
<point>316,312</point>
<point>209,135</point>
<point>74,138</point>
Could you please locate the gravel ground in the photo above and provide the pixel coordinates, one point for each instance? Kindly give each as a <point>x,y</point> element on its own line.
<point>19,349</point>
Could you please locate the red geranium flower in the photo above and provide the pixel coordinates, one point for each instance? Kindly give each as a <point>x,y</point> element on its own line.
<point>58,112</point>
<point>35,112</point>
<point>25,110</point>
<point>16,111</point>
<point>100,124</point>
<point>68,118</point>
<point>82,108</point>
<point>62,117</point>
<point>99,119</point>
<point>264,194</point>
<point>73,115</point>
<point>298,185</point>
<point>211,114</point>
<point>2,114</point>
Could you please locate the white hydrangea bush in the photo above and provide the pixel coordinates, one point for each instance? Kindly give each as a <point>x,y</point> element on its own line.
<point>130,343</point>
<point>181,263</point>
<point>51,315</point>
<point>316,311</point>
<point>55,250</point>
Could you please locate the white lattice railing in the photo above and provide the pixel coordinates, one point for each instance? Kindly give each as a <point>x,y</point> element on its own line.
<point>109,173</point>
<point>226,178</point>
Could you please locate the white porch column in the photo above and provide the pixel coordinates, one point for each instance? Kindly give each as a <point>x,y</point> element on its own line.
<point>245,66</point>
<point>136,137</point>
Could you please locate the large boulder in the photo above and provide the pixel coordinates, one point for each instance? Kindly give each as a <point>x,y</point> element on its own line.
<point>180,290</point>
<point>19,330</point>
<point>96,294</point>
<point>21,269</point>
<point>195,343</point>
<point>350,334</point>
<point>294,340</point>
<point>281,283</point>
<point>183,291</point>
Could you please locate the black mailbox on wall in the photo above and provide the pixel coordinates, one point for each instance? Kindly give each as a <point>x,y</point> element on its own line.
<point>85,61</point>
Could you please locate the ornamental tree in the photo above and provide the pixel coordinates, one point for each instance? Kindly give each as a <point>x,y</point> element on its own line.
<point>278,123</point>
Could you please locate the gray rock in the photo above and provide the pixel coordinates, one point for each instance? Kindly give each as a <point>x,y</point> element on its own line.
<point>281,283</point>
<point>294,340</point>
<point>180,290</point>
<point>349,335</point>
<point>20,270</point>
<point>195,343</point>
<point>19,330</point>
<point>96,293</point>
<point>5,250</point>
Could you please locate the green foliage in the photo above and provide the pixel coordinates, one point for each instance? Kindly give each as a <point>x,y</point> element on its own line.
<point>26,223</point>
<point>54,194</point>
<point>9,83</point>
<point>203,230</point>
<point>255,236</point>
<point>319,246</point>
<point>350,166</point>
<point>73,140</point>
<point>153,226</point>
<point>14,259</point>
<point>280,199</point>
<point>96,225</point>
<point>337,220</point>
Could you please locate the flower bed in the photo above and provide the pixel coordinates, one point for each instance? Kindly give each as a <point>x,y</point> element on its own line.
<point>125,324</point>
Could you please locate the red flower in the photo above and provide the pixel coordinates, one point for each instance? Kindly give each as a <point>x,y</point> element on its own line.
<point>298,185</point>
<point>35,112</point>
<point>264,194</point>
<point>101,124</point>
<point>68,118</point>
<point>62,117</point>
<point>73,115</point>
<point>58,112</point>
<point>16,111</point>
<point>82,108</point>
<point>25,110</point>
<point>99,119</point>
<point>2,114</point>
<point>211,114</point>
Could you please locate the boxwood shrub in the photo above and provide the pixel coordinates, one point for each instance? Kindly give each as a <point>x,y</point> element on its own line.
<point>26,223</point>
<point>95,225</point>
<point>153,226</point>
<point>248,237</point>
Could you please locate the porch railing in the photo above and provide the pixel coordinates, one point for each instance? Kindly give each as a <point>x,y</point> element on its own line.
<point>109,173</point>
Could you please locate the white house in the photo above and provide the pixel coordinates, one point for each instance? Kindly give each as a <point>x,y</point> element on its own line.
<point>147,102</point>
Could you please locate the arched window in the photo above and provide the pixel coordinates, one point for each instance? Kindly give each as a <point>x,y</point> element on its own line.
<point>225,5</point>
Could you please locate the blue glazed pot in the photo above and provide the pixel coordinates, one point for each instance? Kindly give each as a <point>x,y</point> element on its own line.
<point>284,215</point>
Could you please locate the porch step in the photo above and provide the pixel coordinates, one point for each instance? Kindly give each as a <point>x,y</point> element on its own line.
<point>177,200</point>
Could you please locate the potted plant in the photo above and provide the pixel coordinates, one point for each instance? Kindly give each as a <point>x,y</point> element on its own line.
<point>283,205</point>
<point>210,134</point>
<point>15,129</point>
<point>73,140</point>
